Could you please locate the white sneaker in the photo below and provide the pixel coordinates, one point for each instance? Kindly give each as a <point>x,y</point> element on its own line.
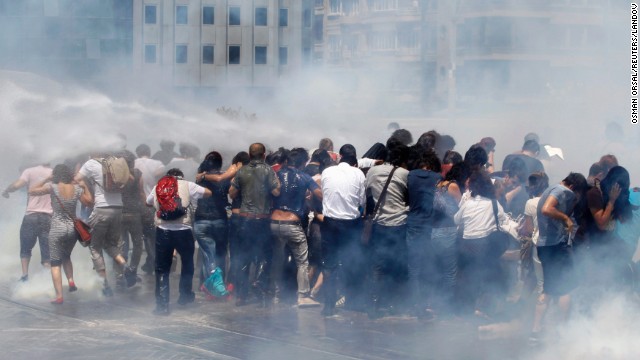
<point>307,302</point>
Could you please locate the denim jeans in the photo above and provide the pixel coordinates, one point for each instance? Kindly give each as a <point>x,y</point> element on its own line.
<point>291,235</point>
<point>254,245</point>
<point>211,235</point>
<point>132,226</point>
<point>166,242</point>
<point>35,227</point>
<point>389,260</point>
<point>442,267</point>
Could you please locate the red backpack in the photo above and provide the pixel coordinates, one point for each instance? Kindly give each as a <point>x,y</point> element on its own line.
<point>169,201</point>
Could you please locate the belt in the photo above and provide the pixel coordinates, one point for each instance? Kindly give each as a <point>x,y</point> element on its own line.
<point>286,222</point>
<point>254,216</point>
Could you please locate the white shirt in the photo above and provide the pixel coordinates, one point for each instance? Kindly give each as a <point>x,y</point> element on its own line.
<point>149,168</point>
<point>189,193</point>
<point>92,172</point>
<point>476,216</point>
<point>343,192</point>
<point>531,209</point>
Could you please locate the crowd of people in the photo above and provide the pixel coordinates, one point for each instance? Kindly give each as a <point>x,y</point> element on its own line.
<point>416,229</point>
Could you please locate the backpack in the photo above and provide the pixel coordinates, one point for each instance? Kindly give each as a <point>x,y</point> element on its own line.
<point>169,201</point>
<point>115,173</point>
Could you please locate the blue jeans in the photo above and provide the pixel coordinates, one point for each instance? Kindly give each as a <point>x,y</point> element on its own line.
<point>389,262</point>
<point>442,267</point>
<point>210,235</point>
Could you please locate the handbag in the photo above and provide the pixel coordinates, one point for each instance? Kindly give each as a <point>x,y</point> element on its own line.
<point>368,221</point>
<point>83,230</point>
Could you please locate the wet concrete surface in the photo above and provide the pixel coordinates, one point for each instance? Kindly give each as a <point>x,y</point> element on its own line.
<point>123,327</point>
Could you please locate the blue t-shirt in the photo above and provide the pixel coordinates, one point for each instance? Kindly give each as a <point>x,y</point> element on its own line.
<point>293,189</point>
<point>629,231</point>
<point>552,231</point>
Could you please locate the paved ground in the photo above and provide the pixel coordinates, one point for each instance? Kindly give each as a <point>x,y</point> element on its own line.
<point>122,327</point>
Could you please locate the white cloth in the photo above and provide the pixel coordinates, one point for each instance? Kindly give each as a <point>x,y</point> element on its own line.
<point>92,172</point>
<point>189,193</point>
<point>531,209</point>
<point>343,192</point>
<point>149,168</point>
<point>476,216</point>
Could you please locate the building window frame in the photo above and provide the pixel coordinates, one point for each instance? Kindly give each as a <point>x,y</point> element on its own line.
<point>148,15</point>
<point>181,53</point>
<point>266,16</point>
<point>150,54</point>
<point>182,15</point>
<point>283,17</point>
<point>212,20</point>
<point>260,55</point>
<point>283,56</point>
<point>208,54</point>
<point>233,55</point>
<point>234,19</point>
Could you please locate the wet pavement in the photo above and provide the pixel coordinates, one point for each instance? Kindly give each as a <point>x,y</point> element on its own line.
<point>87,326</point>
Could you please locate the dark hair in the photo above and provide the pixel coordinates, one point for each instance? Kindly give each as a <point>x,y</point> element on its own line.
<point>241,157</point>
<point>426,159</point>
<point>538,183</point>
<point>167,144</point>
<point>475,157</point>
<point>143,150</point>
<point>176,172</point>
<point>446,143</point>
<point>212,162</point>
<point>518,168</point>
<point>348,150</point>
<point>403,135</point>
<point>622,207</point>
<point>277,157</point>
<point>297,157</point>
<point>62,174</point>
<point>607,162</point>
<point>428,140</point>
<point>399,155</point>
<point>349,159</point>
<point>480,184</point>
<point>452,157</point>
<point>532,146</point>
<point>257,151</point>
<point>129,157</point>
<point>488,144</point>
<point>325,144</point>
<point>189,150</point>
<point>459,174</point>
<point>595,169</point>
<point>577,182</point>
<point>377,152</point>
<point>323,158</point>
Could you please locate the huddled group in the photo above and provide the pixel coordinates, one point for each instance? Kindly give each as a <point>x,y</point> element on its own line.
<point>414,229</point>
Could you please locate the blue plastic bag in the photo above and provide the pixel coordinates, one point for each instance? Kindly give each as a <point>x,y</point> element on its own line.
<point>214,285</point>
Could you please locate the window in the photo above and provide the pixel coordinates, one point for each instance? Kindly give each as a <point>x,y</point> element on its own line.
<point>261,16</point>
<point>261,55</point>
<point>383,5</point>
<point>283,55</point>
<point>283,18</point>
<point>207,54</point>
<point>150,14</point>
<point>181,54</point>
<point>307,18</point>
<point>150,54</point>
<point>181,15</point>
<point>207,15</point>
<point>234,15</point>
<point>234,54</point>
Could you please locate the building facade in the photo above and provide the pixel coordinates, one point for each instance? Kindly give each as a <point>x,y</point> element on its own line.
<point>66,38</point>
<point>215,43</point>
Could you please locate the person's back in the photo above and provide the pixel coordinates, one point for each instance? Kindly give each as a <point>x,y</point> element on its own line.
<point>552,231</point>
<point>293,189</point>
<point>343,191</point>
<point>215,206</point>
<point>255,182</point>
<point>33,176</point>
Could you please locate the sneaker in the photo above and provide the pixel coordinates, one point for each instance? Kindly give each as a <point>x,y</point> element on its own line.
<point>340,302</point>
<point>72,286</point>
<point>107,291</point>
<point>24,278</point>
<point>186,299</point>
<point>304,302</point>
<point>130,276</point>
<point>161,310</point>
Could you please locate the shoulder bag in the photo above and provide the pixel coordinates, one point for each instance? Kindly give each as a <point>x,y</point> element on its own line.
<point>368,221</point>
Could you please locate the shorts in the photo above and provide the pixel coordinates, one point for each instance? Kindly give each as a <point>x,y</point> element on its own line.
<point>557,267</point>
